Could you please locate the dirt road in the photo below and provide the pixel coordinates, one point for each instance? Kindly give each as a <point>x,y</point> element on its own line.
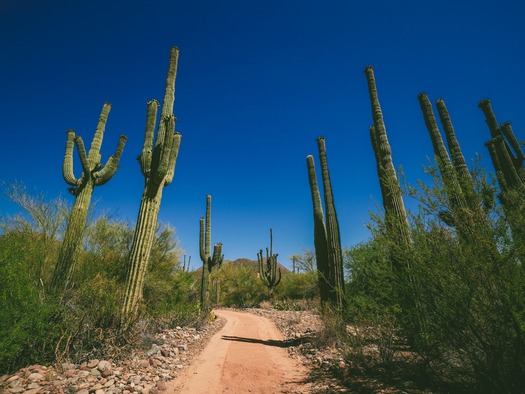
<point>247,356</point>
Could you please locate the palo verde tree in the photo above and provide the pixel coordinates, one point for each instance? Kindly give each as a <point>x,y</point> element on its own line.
<point>269,270</point>
<point>93,174</point>
<point>327,239</point>
<point>208,260</point>
<point>157,163</point>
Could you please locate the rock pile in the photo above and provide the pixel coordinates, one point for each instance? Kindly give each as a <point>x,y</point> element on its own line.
<point>146,371</point>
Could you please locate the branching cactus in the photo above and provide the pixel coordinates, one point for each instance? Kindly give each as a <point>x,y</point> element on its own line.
<point>269,271</point>
<point>208,260</point>
<point>502,137</point>
<point>157,163</point>
<point>93,174</point>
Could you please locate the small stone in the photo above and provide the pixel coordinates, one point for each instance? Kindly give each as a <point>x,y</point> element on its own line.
<point>93,363</point>
<point>83,391</point>
<point>35,376</point>
<point>161,385</point>
<point>144,363</point>
<point>17,389</point>
<point>99,391</point>
<point>12,378</point>
<point>104,366</point>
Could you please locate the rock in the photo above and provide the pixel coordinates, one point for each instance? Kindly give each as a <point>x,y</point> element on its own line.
<point>104,366</point>
<point>83,391</point>
<point>161,385</point>
<point>17,389</point>
<point>93,363</point>
<point>35,376</point>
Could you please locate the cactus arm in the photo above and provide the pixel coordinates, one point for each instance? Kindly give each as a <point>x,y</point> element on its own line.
<point>147,147</point>
<point>174,153</point>
<point>506,129</point>
<point>169,92</point>
<point>458,160</point>
<point>96,143</point>
<point>67,165</point>
<point>218,257</point>
<point>202,241</point>
<point>111,167</point>
<point>452,186</point>
<point>490,118</point>
<point>83,158</point>
<point>162,155</point>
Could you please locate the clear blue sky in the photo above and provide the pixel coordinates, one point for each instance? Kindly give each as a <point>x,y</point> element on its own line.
<point>258,81</point>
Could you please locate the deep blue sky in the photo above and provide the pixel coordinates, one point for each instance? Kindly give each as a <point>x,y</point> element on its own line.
<point>258,81</point>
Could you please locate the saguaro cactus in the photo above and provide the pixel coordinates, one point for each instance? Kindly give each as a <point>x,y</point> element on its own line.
<point>157,163</point>
<point>270,273</point>
<point>93,174</point>
<point>327,238</point>
<point>208,260</point>
<point>320,245</point>
<point>395,213</point>
<point>448,174</point>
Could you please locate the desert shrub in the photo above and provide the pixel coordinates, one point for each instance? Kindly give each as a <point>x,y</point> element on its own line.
<point>240,286</point>
<point>298,286</point>
<point>30,323</point>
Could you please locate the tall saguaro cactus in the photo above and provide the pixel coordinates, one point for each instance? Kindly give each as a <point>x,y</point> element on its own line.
<point>452,186</point>
<point>321,248</point>
<point>270,273</point>
<point>157,163</point>
<point>208,260</point>
<point>395,213</point>
<point>93,174</point>
<point>327,239</point>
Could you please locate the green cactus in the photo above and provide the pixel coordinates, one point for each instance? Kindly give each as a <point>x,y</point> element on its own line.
<point>327,239</point>
<point>458,160</point>
<point>503,150</point>
<point>320,243</point>
<point>448,174</point>
<point>270,273</point>
<point>157,162</point>
<point>208,260</point>
<point>395,213</point>
<point>93,174</point>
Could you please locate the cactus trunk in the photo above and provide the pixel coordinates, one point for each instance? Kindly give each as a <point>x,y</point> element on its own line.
<point>395,213</point>
<point>321,247</point>
<point>93,174</point>
<point>333,237</point>
<point>208,260</point>
<point>157,163</point>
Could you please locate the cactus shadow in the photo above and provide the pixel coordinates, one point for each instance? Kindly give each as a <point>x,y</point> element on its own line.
<point>268,342</point>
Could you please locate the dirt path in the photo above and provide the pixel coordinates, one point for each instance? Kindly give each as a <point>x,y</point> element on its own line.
<point>247,356</point>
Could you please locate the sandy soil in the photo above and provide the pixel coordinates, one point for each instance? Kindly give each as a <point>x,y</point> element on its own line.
<point>247,356</point>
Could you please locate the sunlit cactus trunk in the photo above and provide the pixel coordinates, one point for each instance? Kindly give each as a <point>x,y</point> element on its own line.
<point>269,271</point>
<point>208,260</point>
<point>333,237</point>
<point>93,174</point>
<point>157,163</point>
<point>395,214</point>
<point>321,248</point>
<point>327,239</point>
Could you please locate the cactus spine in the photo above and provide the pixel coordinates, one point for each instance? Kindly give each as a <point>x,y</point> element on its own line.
<point>93,174</point>
<point>270,273</point>
<point>157,162</point>
<point>327,239</point>
<point>208,260</point>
